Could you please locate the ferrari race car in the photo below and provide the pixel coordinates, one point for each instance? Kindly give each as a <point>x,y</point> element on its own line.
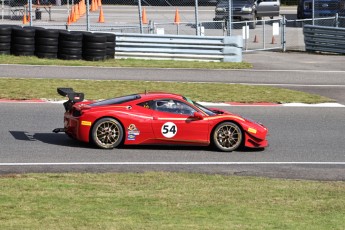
<point>156,118</point>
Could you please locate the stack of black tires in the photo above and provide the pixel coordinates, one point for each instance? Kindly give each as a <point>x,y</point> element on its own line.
<point>110,46</point>
<point>50,43</point>
<point>5,39</point>
<point>98,46</point>
<point>94,47</point>
<point>47,43</point>
<point>23,41</point>
<point>70,45</point>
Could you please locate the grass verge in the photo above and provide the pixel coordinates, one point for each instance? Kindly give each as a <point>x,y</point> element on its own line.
<point>31,60</point>
<point>12,88</point>
<point>168,201</point>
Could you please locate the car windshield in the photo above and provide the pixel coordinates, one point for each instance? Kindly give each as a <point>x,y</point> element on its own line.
<point>115,101</point>
<point>226,2</point>
<point>201,107</point>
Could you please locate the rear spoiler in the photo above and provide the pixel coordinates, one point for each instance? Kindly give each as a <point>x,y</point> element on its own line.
<point>73,97</point>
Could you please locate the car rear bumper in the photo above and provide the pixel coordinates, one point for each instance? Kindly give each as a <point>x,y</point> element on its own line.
<point>77,128</point>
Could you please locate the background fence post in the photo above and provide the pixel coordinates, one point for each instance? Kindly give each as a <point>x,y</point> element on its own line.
<point>88,15</point>
<point>140,17</point>
<point>283,33</point>
<point>2,10</point>
<point>197,18</point>
<point>229,18</point>
<point>336,20</point>
<point>30,12</point>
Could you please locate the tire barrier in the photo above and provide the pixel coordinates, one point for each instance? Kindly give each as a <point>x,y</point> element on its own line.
<point>52,43</point>
<point>47,43</point>
<point>5,39</point>
<point>94,47</point>
<point>110,46</point>
<point>70,45</point>
<point>23,41</point>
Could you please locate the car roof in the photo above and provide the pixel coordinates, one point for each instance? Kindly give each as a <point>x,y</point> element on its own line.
<point>154,95</point>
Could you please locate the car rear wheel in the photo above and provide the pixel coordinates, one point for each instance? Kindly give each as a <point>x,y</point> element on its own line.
<point>227,136</point>
<point>107,133</point>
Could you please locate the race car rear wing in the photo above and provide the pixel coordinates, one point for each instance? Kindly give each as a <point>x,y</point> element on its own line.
<point>73,97</point>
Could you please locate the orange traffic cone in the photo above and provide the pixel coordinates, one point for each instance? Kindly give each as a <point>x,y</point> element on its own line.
<point>76,11</point>
<point>24,19</point>
<point>177,17</point>
<point>83,7</point>
<point>93,6</point>
<point>74,16</point>
<point>69,20</point>
<point>273,40</point>
<point>144,18</point>
<point>101,16</point>
<point>256,39</point>
<point>29,17</point>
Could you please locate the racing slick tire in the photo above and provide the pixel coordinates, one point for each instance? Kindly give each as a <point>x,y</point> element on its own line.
<point>107,133</point>
<point>227,136</point>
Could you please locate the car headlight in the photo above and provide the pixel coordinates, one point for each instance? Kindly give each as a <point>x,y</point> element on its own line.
<point>221,9</point>
<point>247,9</point>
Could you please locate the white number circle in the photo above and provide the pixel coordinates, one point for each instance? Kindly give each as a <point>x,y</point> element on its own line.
<point>169,129</point>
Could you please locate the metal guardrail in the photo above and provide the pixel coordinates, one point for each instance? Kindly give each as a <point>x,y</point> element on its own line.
<point>172,47</point>
<point>324,39</point>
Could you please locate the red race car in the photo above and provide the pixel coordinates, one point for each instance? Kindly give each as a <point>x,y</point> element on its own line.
<point>156,118</point>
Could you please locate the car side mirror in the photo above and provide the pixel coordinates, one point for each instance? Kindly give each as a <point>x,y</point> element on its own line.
<point>198,115</point>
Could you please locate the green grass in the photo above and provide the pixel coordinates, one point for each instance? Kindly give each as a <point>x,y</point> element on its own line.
<point>31,60</point>
<point>12,88</point>
<point>168,201</point>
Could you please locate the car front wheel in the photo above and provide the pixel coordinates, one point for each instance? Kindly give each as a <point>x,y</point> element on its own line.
<point>227,136</point>
<point>107,133</point>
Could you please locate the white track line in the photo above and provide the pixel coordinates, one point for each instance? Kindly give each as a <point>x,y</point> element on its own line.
<point>171,163</point>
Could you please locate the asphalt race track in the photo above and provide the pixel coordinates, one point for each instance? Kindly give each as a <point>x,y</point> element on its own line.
<point>305,143</point>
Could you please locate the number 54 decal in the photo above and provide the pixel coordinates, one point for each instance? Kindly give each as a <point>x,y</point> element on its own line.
<point>169,130</point>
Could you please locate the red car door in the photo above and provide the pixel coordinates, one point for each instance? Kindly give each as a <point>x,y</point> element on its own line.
<point>173,121</point>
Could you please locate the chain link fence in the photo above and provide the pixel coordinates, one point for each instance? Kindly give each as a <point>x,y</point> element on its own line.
<point>175,17</point>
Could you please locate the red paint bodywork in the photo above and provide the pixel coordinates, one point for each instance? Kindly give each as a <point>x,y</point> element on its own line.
<point>148,123</point>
